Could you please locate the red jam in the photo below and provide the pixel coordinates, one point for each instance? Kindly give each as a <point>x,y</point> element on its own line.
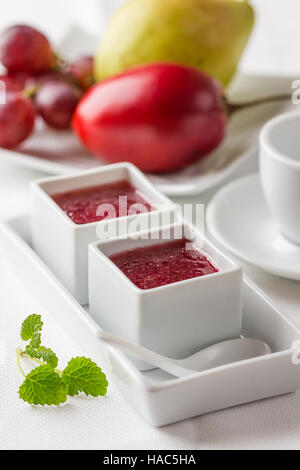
<point>81,205</point>
<point>163,264</point>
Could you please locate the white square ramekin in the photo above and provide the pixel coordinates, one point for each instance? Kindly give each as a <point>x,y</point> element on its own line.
<point>176,319</point>
<point>63,244</point>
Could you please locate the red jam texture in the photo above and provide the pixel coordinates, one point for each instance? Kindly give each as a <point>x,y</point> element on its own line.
<point>163,264</point>
<point>81,205</point>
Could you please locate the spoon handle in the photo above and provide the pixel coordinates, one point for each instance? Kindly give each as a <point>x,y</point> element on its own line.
<point>153,358</point>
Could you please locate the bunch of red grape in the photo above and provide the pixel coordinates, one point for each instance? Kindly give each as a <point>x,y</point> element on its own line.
<point>37,82</point>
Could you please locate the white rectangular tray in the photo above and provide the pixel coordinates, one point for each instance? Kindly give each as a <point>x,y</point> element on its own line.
<point>160,398</point>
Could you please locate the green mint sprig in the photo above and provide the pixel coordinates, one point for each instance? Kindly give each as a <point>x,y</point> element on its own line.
<point>46,385</point>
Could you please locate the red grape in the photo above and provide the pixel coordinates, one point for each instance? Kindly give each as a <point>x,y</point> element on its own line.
<point>56,102</point>
<point>16,120</point>
<point>10,83</point>
<point>38,80</point>
<point>82,69</point>
<point>20,78</point>
<point>24,49</point>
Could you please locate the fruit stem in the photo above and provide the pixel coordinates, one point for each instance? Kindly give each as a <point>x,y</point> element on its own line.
<point>233,108</point>
<point>30,92</point>
<point>58,62</point>
<point>18,353</point>
<point>23,354</point>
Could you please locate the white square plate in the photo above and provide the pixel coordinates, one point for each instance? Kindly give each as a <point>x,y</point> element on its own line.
<point>160,398</point>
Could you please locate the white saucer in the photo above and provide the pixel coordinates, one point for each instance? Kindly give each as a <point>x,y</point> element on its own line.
<point>239,219</point>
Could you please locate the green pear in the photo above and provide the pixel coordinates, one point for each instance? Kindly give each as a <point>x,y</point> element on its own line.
<point>208,34</point>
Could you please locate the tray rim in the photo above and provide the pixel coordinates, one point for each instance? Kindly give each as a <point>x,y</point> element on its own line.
<point>17,240</point>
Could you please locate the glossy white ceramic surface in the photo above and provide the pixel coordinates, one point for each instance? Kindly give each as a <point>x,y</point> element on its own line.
<point>218,354</point>
<point>157,396</point>
<point>62,244</point>
<point>280,171</point>
<point>175,320</point>
<point>239,218</point>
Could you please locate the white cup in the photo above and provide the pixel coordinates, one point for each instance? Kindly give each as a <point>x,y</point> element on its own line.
<point>280,171</point>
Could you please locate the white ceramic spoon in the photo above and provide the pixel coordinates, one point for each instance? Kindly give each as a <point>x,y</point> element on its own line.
<point>213,356</point>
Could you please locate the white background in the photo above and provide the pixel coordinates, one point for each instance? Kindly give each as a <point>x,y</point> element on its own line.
<point>274,46</point>
<point>110,423</point>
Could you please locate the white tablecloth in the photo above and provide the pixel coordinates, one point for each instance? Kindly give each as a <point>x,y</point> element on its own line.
<point>110,423</point>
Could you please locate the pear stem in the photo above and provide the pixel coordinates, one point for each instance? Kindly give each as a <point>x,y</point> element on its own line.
<point>233,108</point>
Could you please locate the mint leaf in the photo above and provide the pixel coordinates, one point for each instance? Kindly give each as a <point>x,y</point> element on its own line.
<point>83,375</point>
<point>31,328</point>
<point>43,386</point>
<point>47,385</point>
<point>36,339</point>
<point>46,354</point>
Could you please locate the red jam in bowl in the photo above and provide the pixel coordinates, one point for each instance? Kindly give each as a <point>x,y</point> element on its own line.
<point>81,204</point>
<point>163,264</point>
